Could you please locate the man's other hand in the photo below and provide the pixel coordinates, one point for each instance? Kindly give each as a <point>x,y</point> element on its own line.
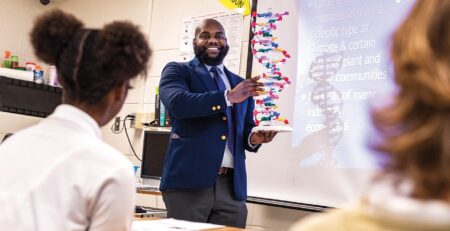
<point>261,137</point>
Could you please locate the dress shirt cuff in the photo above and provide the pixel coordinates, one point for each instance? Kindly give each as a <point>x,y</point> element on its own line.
<point>252,146</point>
<point>229,104</point>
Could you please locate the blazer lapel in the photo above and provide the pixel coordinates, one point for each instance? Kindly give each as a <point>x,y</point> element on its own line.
<point>232,78</point>
<point>208,81</point>
<point>204,75</point>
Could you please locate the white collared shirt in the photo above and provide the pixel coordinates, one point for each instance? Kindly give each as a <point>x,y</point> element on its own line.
<point>60,175</point>
<point>228,160</point>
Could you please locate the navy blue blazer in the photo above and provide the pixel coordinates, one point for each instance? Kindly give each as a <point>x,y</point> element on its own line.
<point>199,128</point>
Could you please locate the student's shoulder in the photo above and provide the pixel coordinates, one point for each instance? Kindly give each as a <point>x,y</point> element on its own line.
<point>347,219</point>
<point>317,222</point>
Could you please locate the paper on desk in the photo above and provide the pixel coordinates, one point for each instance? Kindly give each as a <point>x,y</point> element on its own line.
<point>171,224</point>
<point>140,186</point>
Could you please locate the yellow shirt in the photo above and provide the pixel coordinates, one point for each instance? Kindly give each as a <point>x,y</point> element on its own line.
<point>360,218</point>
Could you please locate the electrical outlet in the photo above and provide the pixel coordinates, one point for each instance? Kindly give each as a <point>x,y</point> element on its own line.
<point>133,120</point>
<point>116,127</point>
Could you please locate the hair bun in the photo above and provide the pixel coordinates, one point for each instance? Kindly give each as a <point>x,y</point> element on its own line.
<point>52,32</point>
<point>124,48</point>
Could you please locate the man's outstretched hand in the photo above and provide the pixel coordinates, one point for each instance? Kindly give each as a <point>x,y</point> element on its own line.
<point>247,88</point>
<point>261,137</point>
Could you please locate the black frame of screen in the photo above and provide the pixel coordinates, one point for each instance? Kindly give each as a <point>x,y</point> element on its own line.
<point>288,204</point>
<point>149,133</point>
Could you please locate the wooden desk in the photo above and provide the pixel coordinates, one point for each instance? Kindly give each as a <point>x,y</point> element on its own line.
<point>148,192</point>
<point>218,229</point>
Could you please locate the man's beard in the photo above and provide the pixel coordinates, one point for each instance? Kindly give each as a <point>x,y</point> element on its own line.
<point>200,53</point>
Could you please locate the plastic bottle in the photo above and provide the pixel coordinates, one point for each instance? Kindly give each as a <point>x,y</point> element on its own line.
<point>30,66</point>
<point>162,115</point>
<point>38,75</point>
<point>52,76</point>
<point>7,60</point>
<point>14,61</point>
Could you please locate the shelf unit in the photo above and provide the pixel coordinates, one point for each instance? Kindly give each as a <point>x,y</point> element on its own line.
<point>28,98</point>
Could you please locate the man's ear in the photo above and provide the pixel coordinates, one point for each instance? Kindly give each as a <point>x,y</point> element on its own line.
<point>194,42</point>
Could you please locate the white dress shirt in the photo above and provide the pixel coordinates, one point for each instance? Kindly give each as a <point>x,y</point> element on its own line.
<point>228,160</point>
<point>59,175</point>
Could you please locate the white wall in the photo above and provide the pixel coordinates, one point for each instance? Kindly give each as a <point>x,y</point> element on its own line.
<point>161,22</point>
<point>16,18</point>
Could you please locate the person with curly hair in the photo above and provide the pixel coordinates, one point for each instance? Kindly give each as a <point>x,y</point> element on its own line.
<point>59,174</point>
<point>412,192</point>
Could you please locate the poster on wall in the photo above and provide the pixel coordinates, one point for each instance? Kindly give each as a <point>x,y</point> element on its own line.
<point>232,21</point>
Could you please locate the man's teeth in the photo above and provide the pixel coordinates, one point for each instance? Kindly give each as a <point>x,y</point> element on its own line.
<point>213,48</point>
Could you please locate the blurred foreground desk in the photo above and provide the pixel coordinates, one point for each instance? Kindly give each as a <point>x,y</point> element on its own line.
<point>152,191</point>
<point>148,191</point>
<point>135,226</point>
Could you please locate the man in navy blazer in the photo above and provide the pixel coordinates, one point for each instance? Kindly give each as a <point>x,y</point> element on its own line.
<point>204,177</point>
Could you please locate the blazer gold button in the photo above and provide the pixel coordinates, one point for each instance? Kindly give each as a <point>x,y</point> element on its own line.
<point>224,118</point>
<point>218,107</point>
<point>223,137</point>
<point>213,108</point>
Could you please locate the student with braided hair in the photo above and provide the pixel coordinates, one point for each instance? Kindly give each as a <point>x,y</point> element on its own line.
<point>59,174</point>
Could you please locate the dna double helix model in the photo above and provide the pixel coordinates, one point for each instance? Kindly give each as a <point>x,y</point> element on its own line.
<point>268,53</point>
